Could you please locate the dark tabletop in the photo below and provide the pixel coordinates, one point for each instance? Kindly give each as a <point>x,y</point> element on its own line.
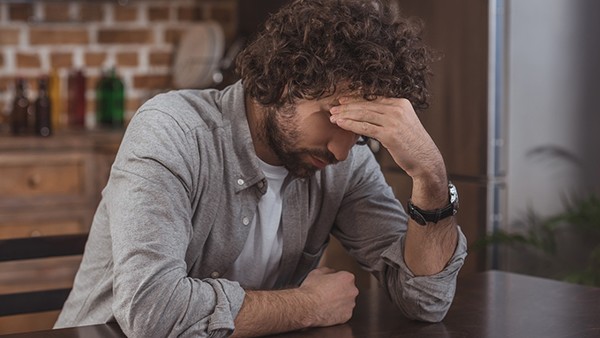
<point>490,304</point>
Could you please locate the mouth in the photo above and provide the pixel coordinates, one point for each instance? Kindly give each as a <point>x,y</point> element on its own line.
<point>318,163</point>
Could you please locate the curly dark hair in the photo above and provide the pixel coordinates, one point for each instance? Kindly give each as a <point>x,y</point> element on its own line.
<point>310,47</point>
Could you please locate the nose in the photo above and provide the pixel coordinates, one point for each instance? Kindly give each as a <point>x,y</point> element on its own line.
<point>341,143</point>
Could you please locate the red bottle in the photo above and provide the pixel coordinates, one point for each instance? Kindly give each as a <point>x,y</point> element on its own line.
<point>76,102</point>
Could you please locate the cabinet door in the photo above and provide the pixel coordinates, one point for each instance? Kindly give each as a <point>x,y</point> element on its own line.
<point>33,179</point>
<point>457,118</point>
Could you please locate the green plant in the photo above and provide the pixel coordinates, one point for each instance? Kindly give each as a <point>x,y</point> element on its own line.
<point>584,217</point>
<point>581,218</point>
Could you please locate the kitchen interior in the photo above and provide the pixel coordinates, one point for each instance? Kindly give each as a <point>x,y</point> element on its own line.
<point>510,84</point>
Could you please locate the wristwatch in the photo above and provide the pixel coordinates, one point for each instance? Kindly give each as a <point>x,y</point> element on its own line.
<point>422,217</point>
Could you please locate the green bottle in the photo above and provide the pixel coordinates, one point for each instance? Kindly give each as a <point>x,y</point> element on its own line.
<point>102,117</point>
<point>110,100</point>
<point>117,100</point>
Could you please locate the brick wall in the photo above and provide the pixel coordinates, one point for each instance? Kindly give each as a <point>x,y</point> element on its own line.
<point>139,38</point>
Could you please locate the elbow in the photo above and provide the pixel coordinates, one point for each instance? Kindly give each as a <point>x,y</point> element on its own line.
<point>435,315</point>
<point>141,313</point>
<point>427,309</point>
<point>175,311</point>
<point>135,322</point>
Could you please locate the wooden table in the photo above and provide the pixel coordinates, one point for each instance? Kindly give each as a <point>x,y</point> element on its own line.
<point>487,305</point>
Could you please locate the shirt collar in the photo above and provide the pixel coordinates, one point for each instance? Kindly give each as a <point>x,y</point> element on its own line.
<point>246,167</point>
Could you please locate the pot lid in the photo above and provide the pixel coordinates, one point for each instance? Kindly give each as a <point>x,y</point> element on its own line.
<point>198,55</point>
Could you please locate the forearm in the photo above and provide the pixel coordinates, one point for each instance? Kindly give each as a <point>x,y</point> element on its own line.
<point>325,298</point>
<point>270,312</point>
<point>429,248</point>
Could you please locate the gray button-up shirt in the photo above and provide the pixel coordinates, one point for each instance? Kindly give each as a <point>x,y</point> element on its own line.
<point>172,221</point>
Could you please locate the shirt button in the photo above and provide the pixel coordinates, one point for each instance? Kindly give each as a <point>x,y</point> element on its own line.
<point>215,274</point>
<point>246,220</point>
<point>240,181</point>
<point>261,184</point>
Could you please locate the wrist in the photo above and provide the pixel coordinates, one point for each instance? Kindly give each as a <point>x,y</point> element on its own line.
<point>423,217</point>
<point>430,190</point>
<point>308,315</point>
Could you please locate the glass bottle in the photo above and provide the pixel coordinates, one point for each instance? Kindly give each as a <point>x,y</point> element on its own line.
<point>20,109</point>
<point>110,96</point>
<point>102,113</point>
<point>43,106</point>
<point>55,102</point>
<point>117,99</point>
<point>76,100</point>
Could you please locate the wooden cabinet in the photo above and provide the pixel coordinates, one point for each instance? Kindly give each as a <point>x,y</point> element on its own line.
<point>49,186</point>
<point>37,186</point>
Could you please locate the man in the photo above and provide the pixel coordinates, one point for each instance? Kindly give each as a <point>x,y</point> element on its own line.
<point>220,203</point>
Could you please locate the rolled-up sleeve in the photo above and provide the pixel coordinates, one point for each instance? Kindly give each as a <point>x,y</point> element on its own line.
<point>425,298</point>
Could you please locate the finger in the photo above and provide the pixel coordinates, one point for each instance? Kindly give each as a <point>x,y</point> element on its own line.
<point>350,99</point>
<point>324,270</point>
<point>359,127</point>
<point>347,276</point>
<point>358,113</point>
<point>383,105</point>
<point>378,100</point>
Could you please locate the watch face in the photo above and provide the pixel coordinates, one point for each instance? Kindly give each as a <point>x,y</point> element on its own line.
<point>453,196</point>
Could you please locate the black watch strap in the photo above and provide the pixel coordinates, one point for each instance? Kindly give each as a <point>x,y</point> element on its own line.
<point>423,217</point>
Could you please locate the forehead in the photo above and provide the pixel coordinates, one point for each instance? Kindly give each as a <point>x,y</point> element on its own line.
<point>331,97</point>
<point>325,101</point>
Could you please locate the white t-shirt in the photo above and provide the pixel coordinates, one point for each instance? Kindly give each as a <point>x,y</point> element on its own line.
<point>257,265</point>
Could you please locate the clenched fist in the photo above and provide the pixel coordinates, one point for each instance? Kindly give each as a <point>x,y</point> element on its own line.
<point>333,294</point>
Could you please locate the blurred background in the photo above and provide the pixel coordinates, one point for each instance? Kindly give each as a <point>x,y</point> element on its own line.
<point>514,113</point>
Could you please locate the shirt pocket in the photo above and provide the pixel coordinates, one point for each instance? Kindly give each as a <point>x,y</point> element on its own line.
<point>309,259</point>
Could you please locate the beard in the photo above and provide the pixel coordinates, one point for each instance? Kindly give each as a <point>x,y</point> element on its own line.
<point>282,135</point>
